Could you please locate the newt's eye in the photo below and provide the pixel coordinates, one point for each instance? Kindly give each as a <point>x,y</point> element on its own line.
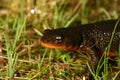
<point>58,39</point>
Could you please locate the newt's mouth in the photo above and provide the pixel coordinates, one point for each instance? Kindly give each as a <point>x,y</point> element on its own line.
<point>48,45</point>
<point>59,46</point>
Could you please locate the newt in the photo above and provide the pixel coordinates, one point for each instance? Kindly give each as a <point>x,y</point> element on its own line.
<point>90,39</point>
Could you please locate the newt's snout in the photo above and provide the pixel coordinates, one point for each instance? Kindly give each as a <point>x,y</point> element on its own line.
<point>52,40</point>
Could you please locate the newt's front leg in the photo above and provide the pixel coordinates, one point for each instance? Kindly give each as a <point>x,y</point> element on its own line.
<point>93,61</point>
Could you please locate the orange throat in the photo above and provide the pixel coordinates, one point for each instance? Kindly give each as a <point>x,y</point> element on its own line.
<point>70,47</point>
<point>52,45</point>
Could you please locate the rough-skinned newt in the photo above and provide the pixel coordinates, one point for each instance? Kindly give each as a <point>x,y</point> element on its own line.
<point>87,38</point>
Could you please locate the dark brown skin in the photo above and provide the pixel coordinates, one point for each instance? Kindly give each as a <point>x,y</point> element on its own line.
<point>89,39</point>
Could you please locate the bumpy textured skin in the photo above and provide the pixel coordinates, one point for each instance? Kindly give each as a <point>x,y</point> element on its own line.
<point>89,39</point>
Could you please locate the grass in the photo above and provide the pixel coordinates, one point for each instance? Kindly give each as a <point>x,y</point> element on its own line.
<point>20,32</point>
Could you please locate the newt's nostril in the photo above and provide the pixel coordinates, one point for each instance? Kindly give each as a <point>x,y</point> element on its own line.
<point>46,31</point>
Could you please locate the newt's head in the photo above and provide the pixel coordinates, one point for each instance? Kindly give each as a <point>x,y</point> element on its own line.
<point>64,38</point>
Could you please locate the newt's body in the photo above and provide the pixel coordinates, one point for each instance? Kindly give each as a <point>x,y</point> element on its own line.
<point>89,39</point>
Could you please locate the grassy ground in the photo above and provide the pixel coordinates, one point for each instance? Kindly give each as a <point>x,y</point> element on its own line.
<point>21,25</point>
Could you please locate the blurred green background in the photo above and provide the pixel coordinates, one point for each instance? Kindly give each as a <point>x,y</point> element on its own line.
<point>21,25</point>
